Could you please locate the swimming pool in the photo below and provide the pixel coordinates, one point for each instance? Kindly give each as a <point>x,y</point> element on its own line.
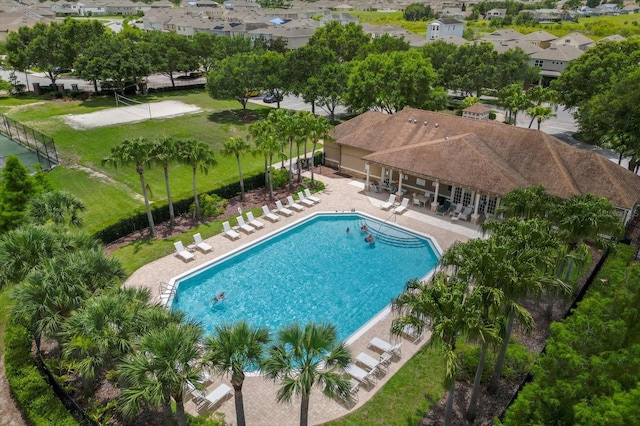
<point>311,271</point>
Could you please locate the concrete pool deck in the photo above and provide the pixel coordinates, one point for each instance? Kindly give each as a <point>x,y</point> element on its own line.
<point>259,394</point>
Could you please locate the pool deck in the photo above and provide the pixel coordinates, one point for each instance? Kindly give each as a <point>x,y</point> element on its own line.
<point>259,394</point>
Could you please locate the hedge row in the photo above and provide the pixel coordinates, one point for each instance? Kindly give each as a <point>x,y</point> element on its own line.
<point>39,404</point>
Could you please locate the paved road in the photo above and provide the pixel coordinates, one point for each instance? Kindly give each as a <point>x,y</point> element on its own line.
<point>297,104</point>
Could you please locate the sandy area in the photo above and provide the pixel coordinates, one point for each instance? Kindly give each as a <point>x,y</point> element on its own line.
<point>129,114</point>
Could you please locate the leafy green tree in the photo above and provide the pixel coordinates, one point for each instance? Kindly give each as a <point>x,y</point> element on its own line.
<point>303,65</point>
<point>235,77</point>
<point>198,155</point>
<point>383,44</point>
<point>16,45</point>
<point>204,46</point>
<point>171,53</point>
<point>471,68</point>
<point>16,188</point>
<point>296,358</point>
<point>453,312</point>
<point>329,87</point>
<point>417,12</point>
<point>274,74</point>
<point>165,152</point>
<point>56,207</point>
<point>135,152</point>
<point>344,40</point>
<point>389,82</point>
<point>165,360</point>
<point>439,53</point>
<point>513,67</point>
<point>236,147</point>
<point>233,348</point>
<point>526,19</point>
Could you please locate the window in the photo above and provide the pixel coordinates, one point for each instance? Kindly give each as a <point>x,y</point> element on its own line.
<point>467,199</point>
<point>538,63</point>
<point>457,195</point>
<point>491,205</point>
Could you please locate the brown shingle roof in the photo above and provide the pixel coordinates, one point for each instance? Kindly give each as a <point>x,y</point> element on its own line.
<point>486,156</point>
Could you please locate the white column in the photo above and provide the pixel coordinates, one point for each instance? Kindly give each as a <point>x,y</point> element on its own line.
<point>434,203</point>
<point>475,208</point>
<point>366,182</point>
<point>400,182</point>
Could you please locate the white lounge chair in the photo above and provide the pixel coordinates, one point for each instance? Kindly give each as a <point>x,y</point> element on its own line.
<point>255,223</point>
<point>243,225</point>
<point>370,362</point>
<point>183,253</point>
<point>402,207</point>
<point>313,198</point>
<point>305,201</point>
<point>230,232</point>
<point>465,213</point>
<point>457,210</point>
<point>213,398</point>
<point>385,347</point>
<point>389,203</point>
<point>292,204</point>
<point>201,245</point>
<point>412,333</point>
<point>270,216</point>
<point>359,374</point>
<point>282,209</point>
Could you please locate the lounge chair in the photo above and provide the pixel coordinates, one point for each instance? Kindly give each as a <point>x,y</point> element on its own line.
<point>359,374</point>
<point>213,398</point>
<point>183,253</point>
<point>385,347</point>
<point>292,204</point>
<point>201,245</point>
<point>270,216</point>
<point>243,225</point>
<point>313,198</point>
<point>457,210</point>
<point>282,209</point>
<point>233,235</point>
<point>445,208</point>
<point>412,333</point>
<point>389,203</point>
<point>255,223</point>
<point>370,362</point>
<point>305,201</point>
<point>465,213</point>
<point>402,207</point>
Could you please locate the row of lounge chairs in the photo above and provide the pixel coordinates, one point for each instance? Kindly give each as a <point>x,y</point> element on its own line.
<point>186,253</point>
<point>399,209</point>
<point>208,401</point>
<point>459,213</point>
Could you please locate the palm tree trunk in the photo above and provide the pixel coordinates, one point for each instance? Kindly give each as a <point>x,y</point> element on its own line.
<point>239,405</point>
<point>531,122</point>
<point>473,403</point>
<point>172,216</point>
<point>497,371</point>
<point>298,162</point>
<point>180,414</point>
<point>152,227</point>
<point>167,414</point>
<point>241,180</point>
<point>539,122</point>
<point>313,163</point>
<point>270,181</point>
<point>304,411</point>
<point>195,194</point>
<point>290,163</point>
<point>448,411</point>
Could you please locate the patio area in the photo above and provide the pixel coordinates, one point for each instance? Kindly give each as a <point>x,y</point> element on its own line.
<point>340,194</point>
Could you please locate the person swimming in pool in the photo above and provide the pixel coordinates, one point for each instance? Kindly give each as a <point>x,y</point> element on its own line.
<point>218,298</point>
<point>369,239</point>
<point>364,228</point>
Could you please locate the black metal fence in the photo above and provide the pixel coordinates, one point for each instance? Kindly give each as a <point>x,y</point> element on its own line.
<point>42,145</point>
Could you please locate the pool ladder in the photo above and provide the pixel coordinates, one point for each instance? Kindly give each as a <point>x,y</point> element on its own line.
<point>167,293</point>
<point>391,240</point>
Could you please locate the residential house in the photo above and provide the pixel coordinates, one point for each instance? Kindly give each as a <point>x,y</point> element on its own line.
<point>444,27</point>
<point>502,35</point>
<point>15,18</point>
<point>540,38</point>
<point>472,162</point>
<point>611,9</point>
<point>458,41</point>
<point>614,37</point>
<point>495,13</point>
<point>554,60</point>
<point>343,18</point>
<point>376,31</point>
<point>502,46</point>
<point>574,39</point>
<point>476,112</point>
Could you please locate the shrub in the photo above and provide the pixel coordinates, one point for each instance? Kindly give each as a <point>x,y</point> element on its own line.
<point>211,205</point>
<point>516,364</point>
<point>492,115</point>
<point>280,177</point>
<point>216,419</point>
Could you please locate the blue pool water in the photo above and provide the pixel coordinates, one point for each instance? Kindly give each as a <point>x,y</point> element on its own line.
<point>313,271</point>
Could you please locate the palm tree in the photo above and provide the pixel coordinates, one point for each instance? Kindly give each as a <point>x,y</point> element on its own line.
<point>318,129</point>
<point>454,313</point>
<point>267,144</point>
<point>164,361</point>
<point>234,348</point>
<point>57,207</point>
<point>514,99</point>
<point>540,113</point>
<point>296,359</point>
<point>236,147</point>
<point>538,95</point>
<point>526,203</point>
<point>164,152</point>
<point>531,252</point>
<point>134,151</point>
<point>287,126</point>
<point>196,154</point>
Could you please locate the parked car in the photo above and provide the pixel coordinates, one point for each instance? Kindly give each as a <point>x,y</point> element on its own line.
<point>270,98</point>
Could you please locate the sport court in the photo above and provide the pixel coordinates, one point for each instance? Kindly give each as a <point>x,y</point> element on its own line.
<point>26,156</point>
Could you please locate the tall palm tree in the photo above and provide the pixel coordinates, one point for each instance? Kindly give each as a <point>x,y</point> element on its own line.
<point>197,155</point>
<point>236,147</point>
<point>287,126</point>
<point>540,113</point>
<point>296,359</point>
<point>234,348</point>
<point>454,313</point>
<point>103,331</point>
<point>56,207</point>
<point>136,152</point>
<point>267,145</point>
<point>164,361</point>
<point>318,129</point>
<point>539,95</point>
<point>164,152</point>
<point>531,251</point>
<point>526,203</point>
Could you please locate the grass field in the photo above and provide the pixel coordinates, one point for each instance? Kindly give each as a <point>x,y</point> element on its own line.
<point>111,194</point>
